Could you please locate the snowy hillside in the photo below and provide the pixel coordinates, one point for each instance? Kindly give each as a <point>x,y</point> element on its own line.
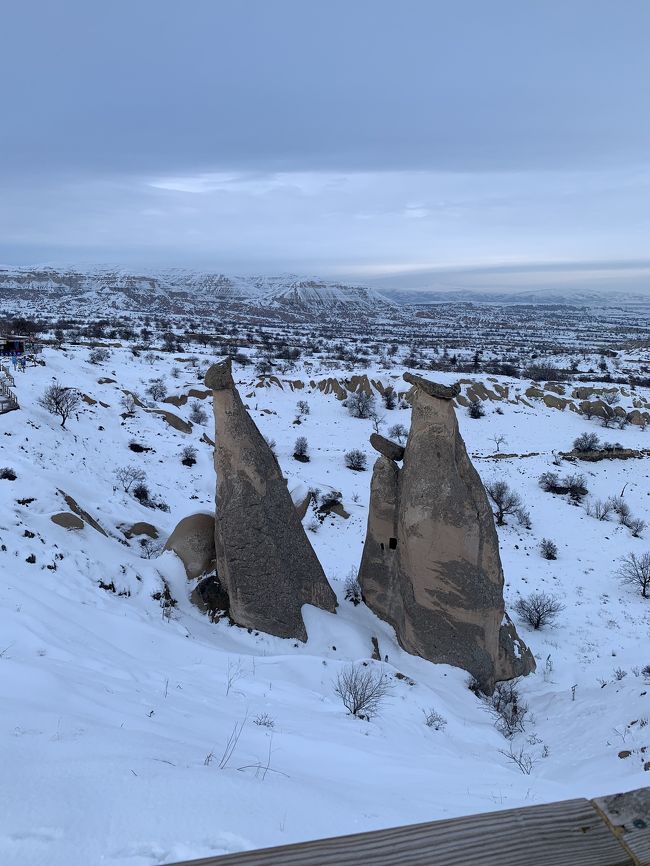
<point>96,290</point>
<point>136,732</point>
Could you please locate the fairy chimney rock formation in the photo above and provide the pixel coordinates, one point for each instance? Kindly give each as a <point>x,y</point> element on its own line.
<point>431,564</point>
<point>264,559</point>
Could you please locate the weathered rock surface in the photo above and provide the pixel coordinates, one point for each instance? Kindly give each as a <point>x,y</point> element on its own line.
<point>387,447</point>
<point>67,520</point>
<point>433,389</point>
<point>431,564</point>
<point>193,542</point>
<point>264,559</point>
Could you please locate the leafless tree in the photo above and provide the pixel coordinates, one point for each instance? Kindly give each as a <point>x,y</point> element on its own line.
<point>635,571</point>
<point>130,475</point>
<point>362,689</point>
<point>60,401</point>
<point>360,404</point>
<point>505,500</point>
<point>499,439</point>
<point>399,432</point>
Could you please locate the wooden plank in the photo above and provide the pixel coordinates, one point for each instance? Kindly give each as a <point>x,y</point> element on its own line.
<point>629,817</point>
<point>570,833</point>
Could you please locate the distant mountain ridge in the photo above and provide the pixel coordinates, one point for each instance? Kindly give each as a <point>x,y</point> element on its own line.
<point>103,290</point>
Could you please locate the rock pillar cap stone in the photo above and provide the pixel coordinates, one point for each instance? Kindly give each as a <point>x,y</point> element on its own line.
<point>219,376</point>
<point>387,447</point>
<point>433,389</point>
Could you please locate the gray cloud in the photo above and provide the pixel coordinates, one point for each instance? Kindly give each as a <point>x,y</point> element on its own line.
<point>354,137</point>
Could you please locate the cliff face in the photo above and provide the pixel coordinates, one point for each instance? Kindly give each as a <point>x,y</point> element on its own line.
<point>431,564</point>
<point>264,559</point>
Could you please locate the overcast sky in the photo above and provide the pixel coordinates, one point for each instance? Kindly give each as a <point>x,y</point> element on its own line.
<point>411,142</point>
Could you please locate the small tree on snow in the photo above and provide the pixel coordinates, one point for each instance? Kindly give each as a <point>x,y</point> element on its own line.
<point>301,450</point>
<point>360,404</point>
<point>398,432</point>
<point>635,571</point>
<point>505,500</point>
<point>130,475</point>
<point>60,401</point>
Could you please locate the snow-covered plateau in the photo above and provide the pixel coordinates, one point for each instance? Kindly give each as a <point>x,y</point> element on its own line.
<point>134,731</point>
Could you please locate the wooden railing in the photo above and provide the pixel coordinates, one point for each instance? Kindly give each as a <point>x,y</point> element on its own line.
<point>607,831</point>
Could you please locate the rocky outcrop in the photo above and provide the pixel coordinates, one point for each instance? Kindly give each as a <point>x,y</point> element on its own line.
<point>431,564</point>
<point>264,559</point>
<point>386,446</point>
<point>67,520</point>
<point>193,542</point>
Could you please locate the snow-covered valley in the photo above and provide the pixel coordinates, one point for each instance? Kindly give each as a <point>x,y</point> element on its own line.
<point>135,731</point>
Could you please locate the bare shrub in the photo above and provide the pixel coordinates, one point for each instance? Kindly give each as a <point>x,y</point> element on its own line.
<point>128,402</point>
<point>98,355</point>
<point>508,708</point>
<point>538,609</point>
<point>128,476</point>
<point>263,720</point>
<point>198,415</point>
<point>362,689</point>
<point>636,526</point>
<point>522,759</point>
<point>523,517</point>
<point>505,500</point>
<point>398,432</point>
<point>352,589</point>
<point>360,404</point>
<point>61,401</point>
<point>622,509</point>
<point>141,493</point>
<point>548,548</point>
<point>356,460</point>
<point>157,389</point>
<point>435,720</point>
<point>600,509</point>
<point>586,443</point>
<point>576,486</point>
<point>189,455</point>
<point>7,474</point>
<point>475,409</point>
<point>635,571</point>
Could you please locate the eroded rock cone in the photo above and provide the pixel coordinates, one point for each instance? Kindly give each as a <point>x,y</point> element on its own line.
<point>431,564</point>
<point>264,559</point>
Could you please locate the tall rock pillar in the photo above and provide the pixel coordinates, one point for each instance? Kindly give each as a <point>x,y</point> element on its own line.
<point>264,559</point>
<point>431,564</point>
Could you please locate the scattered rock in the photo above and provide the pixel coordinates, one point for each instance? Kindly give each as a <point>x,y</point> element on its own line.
<point>67,520</point>
<point>193,542</point>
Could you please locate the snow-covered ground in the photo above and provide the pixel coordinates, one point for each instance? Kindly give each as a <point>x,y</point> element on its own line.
<point>116,713</point>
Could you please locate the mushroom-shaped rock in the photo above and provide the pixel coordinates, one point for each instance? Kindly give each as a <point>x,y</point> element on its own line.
<point>433,389</point>
<point>431,564</point>
<point>387,447</point>
<point>264,559</point>
<point>193,542</point>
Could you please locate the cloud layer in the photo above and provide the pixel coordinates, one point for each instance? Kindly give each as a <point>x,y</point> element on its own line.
<point>369,138</point>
